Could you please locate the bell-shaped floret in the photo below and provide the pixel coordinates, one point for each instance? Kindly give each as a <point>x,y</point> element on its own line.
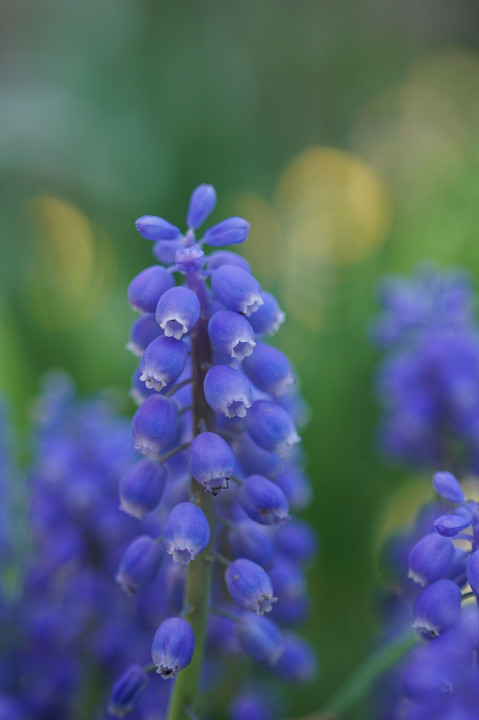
<point>298,662</point>
<point>211,462</point>
<point>250,586</point>
<point>227,391</point>
<point>155,228</point>
<point>165,251</point>
<point>268,368</point>
<point>141,487</point>
<point>173,647</point>
<point>232,231</point>
<point>249,540</point>
<point>271,427</point>
<point>202,204</point>
<point>226,257</point>
<point>186,532</point>
<point>143,331</point>
<point>297,540</point>
<point>154,425</point>
<point>178,311</point>
<point>231,334</point>
<point>146,288</point>
<point>263,501</point>
<point>430,558</point>
<point>163,362</point>
<point>260,638</point>
<point>472,571</point>
<point>236,289</point>
<point>250,706</point>
<point>140,563</point>
<point>269,317</point>
<point>127,691</point>
<point>438,607</point>
<point>296,486</point>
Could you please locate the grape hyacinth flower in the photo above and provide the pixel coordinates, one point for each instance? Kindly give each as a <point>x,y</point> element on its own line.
<point>218,428</point>
<point>428,382</point>
<point>439,677</point>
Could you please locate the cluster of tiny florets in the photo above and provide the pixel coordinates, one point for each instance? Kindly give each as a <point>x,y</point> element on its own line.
<point>428,382</point>
<point>240,449</point>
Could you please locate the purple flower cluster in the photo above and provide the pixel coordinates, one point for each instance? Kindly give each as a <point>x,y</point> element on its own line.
<point>439,678</point>
<point>428,383</point>
<point>66,629</point>
<point>220,470</point>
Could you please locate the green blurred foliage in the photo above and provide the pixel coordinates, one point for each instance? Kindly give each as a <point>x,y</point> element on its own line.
<point>117,109</point>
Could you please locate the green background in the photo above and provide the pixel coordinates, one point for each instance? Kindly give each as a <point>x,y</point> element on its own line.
<point>115,109</point>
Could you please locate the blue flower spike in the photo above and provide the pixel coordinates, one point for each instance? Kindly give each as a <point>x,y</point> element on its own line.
<point>218,410</point>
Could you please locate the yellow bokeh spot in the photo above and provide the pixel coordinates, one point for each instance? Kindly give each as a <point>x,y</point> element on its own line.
<point>70,267</point>
<point>334,207</point>
<point>334,210</point>
<point>400,509</point>
<point>264,247</point>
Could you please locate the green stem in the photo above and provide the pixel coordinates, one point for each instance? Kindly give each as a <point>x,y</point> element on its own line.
<point>362,679</point>
<point>185,696</point>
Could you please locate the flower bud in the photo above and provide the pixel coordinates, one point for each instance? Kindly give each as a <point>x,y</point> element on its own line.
<point>226,257</point>
<point>298,662</point>
<point>231,334</point>
<point>296,486</point>
<point>297,541</point>
<point>140,563</point>
<point>144,330</point>
<point>254,460</point>
<point>165,251</point>
<point>249,586</point>
<point>163,362</point>
<point>236,289</point>
<point>173,647</point>
<point>472,571</point>
<point>232,231</point>
<point>438,607</point>
<point>271,427</point>
<point>202,204</point>
<point>268,368</point>
<point>141,487</point>
<point>211,462</point>
<point>260,638</point>
<point>430,558</point>
<point>250,706</point>
<point>269,317</point>
<point>448,486</point>
<point>154,425</point>
<point>127,691</point>
<point>178,311</point>
<point>227,391</point>
<point>146,288</point>
<point>451,525</point>
<point>155,228</point>
<point>189,259</point>
<point>263,501</point>
<point>251,541</point>
<point>186,532</point>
